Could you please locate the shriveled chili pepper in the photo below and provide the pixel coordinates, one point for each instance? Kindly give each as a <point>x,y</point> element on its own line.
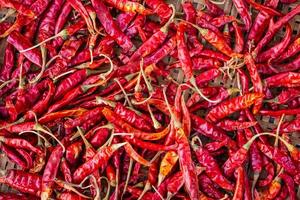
<point>230,125</point>
<point>161,8</point>
<point>50,172</point>
<point>268,36</point>
<point>100,158</point>
<point>129,6</point>
<point>113,118</point>
<point>276,50</point>
<point>211,167</point>
<point>73,152</point>
<point>23,181</point>
<point>110,26</point>
<point>13,156</point>
<point>208,187</point>
<point>239,189</point>
<point>271,172</point>
<point>226,108</point>
<point>63,17</point>
<point>65,169</point>
<point>290,51</point>
<point>20,43</point>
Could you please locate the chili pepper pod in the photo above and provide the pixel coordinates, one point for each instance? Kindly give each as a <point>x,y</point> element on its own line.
<point>100,158</point>
<point>63,17</point>
<point>238,103</point>
<point>211,167</point>
<point>13,156</point>
<point>22,181</point>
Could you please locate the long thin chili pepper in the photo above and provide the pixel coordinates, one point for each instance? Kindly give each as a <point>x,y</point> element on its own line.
<point>63,17</point>
<point>110,26</point>
<point>100,158</point>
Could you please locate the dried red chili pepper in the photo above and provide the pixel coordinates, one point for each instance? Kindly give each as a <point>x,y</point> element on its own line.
<point>62,17</point>
<point>212,169</point>
<point>22,181</point>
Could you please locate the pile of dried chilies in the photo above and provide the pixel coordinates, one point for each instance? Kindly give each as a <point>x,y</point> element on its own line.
<point>118,99</point>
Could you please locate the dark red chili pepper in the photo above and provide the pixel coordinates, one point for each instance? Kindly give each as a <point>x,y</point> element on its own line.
<point>274,29</point>
<point>65,169</point>
<point>290,51</point>
<point>242,9</point>
<point>26,156</point>
<point>271,172</point>
<point>8,63</point>
<point>63,17</point>
<point>213,9</point>
<point>22,181</point>
<point>20,143</point>
<point>13,156</point>
<point>290,185</point>
<point>40,107</point>
<point>209,187</point>
<point>211,131</point>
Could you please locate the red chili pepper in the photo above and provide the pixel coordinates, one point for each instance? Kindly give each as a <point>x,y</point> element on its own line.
<point>213,9</point>
<point>20,43</point>
<point>65,169</point>
<point>63,17</point>
<point>73,152</point>
<point>209,187</point>
<point>239,188</point>
<point>100,159</point>
<point>226,108</point>
<point>20,143</point>
<point>230,125</point>
<point>276,50</point>
<point>256,80</point>
<point>271,172</point>
<point>287,79</point>
<point>22,181</point>
<point>211,167</point>
<point>239,39</point>
<point>50,172</point>
<point>290,185</point>
<point>271,32</point>
<point>242,9</point>
<point>13,156</point>
<point>8,63</point>
<point>110,26</point>
<point>161,8</point>
<point>290,51</point>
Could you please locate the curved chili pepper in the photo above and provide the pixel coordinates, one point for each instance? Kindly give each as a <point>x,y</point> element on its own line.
<point>276,26</point>
<point>161,8</point>
<point>242,9</point>
<point>13,156</point>
<point>63,17</point>
<point>110,26</point>
<point>211,167</point>
<point>277,49</point>
<point>20,43</point>
<point>208,187</point>
<point>65,169</point>
<point>100,159</point>
<point>113,118</point>
<point>8,63</point>
<point>73,152</point>
<point>290,51</point>
<point>227,107</point>
<point>20,143</point>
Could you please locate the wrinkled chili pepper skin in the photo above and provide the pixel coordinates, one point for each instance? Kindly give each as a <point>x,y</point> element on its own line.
<point>63,17</point>
<point>239,189</point>
<point>212,169</point>
<point>50,172</point>
<point>23,181</point>
<point>228,107</point>
<point>187,165</point>
<point>208,187</point>
<point>110,26</point>
<point>20,43</point>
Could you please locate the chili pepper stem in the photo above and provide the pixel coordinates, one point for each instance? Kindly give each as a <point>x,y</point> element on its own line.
<point>55,79</point>
<point>165,28</point>
<point>127,177</point>
<point>193,82</point>
<point>146,189</point>
<point>68,186</point>
<point>63,34</point>
<point>255,179</point>
<point>8,13</point>
<point>277,130</point>
<point>156,124</point>
<point>6,83</point>
<point>44,65</point>
<point>39,127</point>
